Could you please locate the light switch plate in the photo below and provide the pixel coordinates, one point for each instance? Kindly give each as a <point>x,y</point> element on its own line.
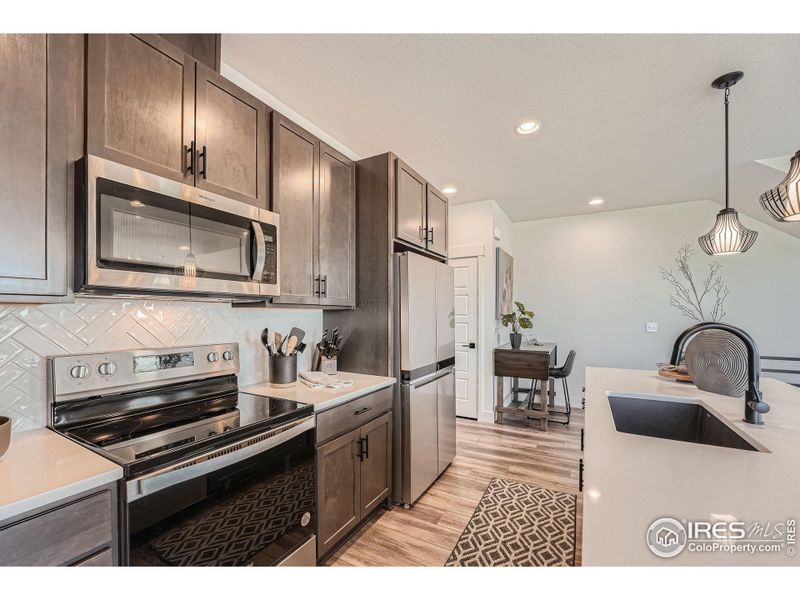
<point>651,327</point>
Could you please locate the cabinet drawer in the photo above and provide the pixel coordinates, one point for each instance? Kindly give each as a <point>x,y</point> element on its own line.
<point>355,413</point>
<point>59,535</point>
<point>104,558</point>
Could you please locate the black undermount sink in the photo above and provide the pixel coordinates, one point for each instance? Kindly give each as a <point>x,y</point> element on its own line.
<point>681,421</point>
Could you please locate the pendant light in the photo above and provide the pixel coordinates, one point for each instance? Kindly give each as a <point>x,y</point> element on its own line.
<point>783,201</point>
<point>728,236</point>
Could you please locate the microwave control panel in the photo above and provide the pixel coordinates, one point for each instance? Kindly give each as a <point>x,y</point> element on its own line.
<point>270,274</point>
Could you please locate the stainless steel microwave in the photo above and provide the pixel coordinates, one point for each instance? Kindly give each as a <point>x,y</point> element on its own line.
<point>141,234</point>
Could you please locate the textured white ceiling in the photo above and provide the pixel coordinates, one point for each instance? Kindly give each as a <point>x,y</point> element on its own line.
<point>631,118</point>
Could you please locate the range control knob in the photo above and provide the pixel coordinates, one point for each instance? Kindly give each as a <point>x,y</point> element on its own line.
<point>227,355</point>
<point>107,368</point>
<point>213,357</point>
<point>79,372</point>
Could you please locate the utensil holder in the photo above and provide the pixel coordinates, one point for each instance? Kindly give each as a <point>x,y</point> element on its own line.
<point>328,365</point>
<point>283,370</point>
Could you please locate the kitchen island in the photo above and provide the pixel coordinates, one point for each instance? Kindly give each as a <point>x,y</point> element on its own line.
<point>630,481</point>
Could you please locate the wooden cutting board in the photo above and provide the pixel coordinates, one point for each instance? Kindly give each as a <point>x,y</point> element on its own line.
<point>683,377</point>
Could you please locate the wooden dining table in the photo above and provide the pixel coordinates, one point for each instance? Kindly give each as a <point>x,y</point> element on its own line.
<point>529,361</point>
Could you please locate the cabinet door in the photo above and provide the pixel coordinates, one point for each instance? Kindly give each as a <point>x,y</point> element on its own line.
<point>231,136</point>
<point>376,463</point>
<point>140,103</point>
<point>338,483</point>
<point>409,205</point>
<point>337,238</point>
<point>295,156</point>
<point>437,221</point>
<point>41,125</point>
<point>203,47</point>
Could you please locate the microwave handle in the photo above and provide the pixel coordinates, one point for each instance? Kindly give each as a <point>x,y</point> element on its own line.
<point>261,251</point>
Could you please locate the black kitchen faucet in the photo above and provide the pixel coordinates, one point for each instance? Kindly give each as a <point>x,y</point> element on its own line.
<point>753,405</point>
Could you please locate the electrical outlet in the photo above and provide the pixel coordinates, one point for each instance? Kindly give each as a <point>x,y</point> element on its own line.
<point>651,327</point>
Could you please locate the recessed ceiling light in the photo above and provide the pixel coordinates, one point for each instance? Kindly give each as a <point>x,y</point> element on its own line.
<point>596,201</point>
<point>450,189</point>
<point>137,203</point>
<point>528,127</point>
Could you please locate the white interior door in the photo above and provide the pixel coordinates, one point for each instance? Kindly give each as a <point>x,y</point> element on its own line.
<point>465,283</point>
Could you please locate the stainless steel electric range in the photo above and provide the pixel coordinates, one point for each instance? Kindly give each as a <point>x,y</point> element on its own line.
<point>213,476</point>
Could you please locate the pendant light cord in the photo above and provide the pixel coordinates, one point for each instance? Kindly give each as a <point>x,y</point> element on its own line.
<point>727,168</point>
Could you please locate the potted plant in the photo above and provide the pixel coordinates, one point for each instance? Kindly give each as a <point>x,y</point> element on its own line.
<point>519,319</point>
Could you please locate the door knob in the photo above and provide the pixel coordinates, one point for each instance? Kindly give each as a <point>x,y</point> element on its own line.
<point>470,345</point>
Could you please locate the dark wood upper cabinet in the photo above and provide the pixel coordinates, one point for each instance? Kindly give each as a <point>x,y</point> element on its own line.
<point>140,103</point>
<point>295,190</point>
<point>205,48</point>
<point>410,205</point>
<point>376,466</point>
<point>41,125</point>
<point>338,483</point>
<point>337,213</point>
<point>232,140</point>
<point>437,221</point>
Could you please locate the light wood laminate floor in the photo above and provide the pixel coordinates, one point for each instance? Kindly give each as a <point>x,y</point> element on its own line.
<point>425,534</point>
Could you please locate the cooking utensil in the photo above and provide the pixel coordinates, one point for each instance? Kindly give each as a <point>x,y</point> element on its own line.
<point>278,342</point>
<point>298,333</point>
<point>290,345</point>
<point>265,340</point>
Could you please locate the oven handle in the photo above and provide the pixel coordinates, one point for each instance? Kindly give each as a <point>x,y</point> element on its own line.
<point>215,459</point>
<point>261,252</point>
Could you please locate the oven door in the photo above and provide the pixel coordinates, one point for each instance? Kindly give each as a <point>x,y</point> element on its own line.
<point>250,503</point>
<point>151,234</point>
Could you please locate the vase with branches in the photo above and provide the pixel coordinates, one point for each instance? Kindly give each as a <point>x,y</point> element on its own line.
<point>702,300</point>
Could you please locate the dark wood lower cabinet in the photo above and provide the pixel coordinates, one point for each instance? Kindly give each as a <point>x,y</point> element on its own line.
<point>338,479</point>
<point>353,478</point>
<point>81,531</point>
<point>376,463</point>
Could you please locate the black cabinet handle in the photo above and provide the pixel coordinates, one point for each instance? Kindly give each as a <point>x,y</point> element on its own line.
<point>204,155</point>
<point>317,286</point>
<point>580,475</point>
<point>360,451</point>
<point>323,285</point>
<point>190,151</point>
<point>582,438</point>
<point>366,447</point>
<point>430,239</point>
<point>361,411</point>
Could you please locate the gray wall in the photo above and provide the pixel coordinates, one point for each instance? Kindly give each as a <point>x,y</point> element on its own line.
<point>593,282</point>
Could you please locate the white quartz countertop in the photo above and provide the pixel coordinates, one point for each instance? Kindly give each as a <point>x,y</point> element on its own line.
<point>631,480</point>
<point>42,466</point>
<point>324,398</point>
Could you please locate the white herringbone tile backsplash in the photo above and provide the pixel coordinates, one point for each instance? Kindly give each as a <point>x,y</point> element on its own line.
<point>29,333</point>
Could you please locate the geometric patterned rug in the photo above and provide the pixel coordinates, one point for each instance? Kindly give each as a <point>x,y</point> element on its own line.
<point>518,525</point>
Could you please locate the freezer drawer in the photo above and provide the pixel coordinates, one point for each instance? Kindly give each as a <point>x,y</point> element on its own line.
<point>446,419</point>
<point>420,453</point>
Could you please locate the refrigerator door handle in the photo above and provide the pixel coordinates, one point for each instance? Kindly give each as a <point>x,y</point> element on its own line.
<point>429,378</point>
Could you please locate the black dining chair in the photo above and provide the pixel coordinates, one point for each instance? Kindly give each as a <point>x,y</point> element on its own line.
<point>561,373</point>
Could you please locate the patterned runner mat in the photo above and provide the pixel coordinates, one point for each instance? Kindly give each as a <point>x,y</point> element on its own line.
<point>518,525</point>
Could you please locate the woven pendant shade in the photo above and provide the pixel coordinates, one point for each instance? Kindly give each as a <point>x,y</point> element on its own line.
<point>728,236</point>
<point>783,201</point>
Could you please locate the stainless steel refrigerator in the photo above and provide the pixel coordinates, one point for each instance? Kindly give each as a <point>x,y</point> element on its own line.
<point>425,406</point>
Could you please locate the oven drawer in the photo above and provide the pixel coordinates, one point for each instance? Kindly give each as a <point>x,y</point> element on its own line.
<point>352,414</point>
<point>60,535</point>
